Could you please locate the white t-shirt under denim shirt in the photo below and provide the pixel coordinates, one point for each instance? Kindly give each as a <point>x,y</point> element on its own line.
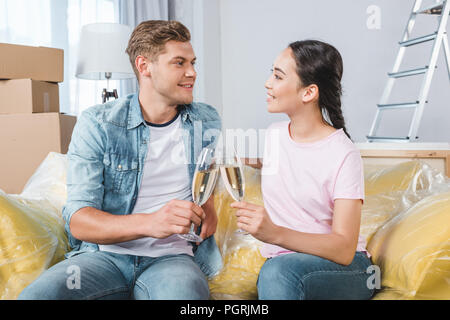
<point>165,178</point>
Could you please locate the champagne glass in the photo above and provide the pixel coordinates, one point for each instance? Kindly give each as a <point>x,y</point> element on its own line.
<point>203,183</point>
<point>232,175</point>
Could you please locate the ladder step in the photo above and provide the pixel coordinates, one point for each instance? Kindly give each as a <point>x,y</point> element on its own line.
<point>433,9</point>
<point>408,73</point>
<point>418,40</point>
<point>399,105</point>
<point>387,139</point>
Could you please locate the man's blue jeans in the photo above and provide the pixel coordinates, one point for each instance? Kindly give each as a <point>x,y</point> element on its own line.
<point>105,275</point>
<point>299,276</point>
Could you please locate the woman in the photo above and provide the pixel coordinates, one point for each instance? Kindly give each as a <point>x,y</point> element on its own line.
<point>312,185</point>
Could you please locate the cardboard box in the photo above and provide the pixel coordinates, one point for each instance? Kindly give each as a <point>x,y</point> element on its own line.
<point>26,139</point>
<point>28,96</point>
<point>26,62</point>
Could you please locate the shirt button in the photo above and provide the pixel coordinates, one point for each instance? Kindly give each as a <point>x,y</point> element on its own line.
<point>119,167</point>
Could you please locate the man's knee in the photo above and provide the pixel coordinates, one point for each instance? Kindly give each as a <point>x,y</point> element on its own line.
<point>58,282</point>
<point>45,288</point>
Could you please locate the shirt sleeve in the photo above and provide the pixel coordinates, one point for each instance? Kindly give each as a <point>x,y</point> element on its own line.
<point>350,178</point>
<point>85,167</point>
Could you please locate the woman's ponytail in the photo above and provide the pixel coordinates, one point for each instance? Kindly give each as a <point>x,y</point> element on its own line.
<point>321,64</point>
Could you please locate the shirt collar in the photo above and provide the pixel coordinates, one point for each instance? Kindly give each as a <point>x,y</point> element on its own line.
<point>135,117</point>
<point>185,111</point>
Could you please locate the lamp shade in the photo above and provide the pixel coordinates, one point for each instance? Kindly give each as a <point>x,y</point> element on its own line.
<point>102,50</point>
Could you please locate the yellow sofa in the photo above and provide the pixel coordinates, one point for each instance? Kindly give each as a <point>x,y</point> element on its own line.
<point>405,219</point>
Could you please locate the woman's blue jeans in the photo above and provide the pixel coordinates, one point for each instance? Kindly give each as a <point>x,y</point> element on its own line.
<point>299,276</point>
<point>105,275</point>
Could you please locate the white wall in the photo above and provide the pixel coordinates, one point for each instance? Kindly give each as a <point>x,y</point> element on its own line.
<point>253,32</point>
<point>212,66</point>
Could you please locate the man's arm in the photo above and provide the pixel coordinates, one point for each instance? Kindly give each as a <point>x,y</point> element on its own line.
<point>96,226</point>
<point>85,170</point>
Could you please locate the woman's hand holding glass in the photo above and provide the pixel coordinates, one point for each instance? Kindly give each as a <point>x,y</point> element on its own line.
<point>232,174</point>
<point>255,220</point>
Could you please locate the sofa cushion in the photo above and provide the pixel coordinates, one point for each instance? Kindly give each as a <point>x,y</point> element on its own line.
<point>413,250</point>
<point>391,190</point>
<point>392,178</point>
<point>32,239</point>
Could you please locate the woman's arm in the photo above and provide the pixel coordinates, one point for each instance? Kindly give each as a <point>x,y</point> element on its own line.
<point>338,246</point>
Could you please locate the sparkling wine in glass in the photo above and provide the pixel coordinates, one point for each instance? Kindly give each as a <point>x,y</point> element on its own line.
<point>203,183</point>
<point>233,178</point>
<point>232,175</point>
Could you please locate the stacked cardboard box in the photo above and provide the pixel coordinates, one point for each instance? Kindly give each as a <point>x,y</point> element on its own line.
<point>31,124</point>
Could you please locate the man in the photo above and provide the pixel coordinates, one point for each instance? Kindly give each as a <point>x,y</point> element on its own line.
<point>131,164</point>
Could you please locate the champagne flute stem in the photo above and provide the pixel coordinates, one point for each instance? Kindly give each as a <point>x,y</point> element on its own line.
<point>191,230</point>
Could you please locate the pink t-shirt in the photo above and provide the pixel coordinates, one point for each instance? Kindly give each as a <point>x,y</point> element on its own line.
<point>300,181</point>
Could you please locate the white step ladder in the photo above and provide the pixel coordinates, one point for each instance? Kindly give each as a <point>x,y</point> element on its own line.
<point>441,8</point>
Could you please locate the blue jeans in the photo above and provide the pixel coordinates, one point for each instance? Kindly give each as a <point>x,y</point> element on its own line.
<point>300,276</point>
<point>105,275</point>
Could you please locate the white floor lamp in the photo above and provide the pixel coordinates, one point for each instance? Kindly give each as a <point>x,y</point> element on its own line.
<point>102,56</point>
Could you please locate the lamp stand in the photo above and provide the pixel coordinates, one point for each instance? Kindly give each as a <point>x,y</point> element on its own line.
<point>106,94</point>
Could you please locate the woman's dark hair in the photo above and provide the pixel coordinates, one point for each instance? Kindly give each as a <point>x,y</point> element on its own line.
<point>321,64</point>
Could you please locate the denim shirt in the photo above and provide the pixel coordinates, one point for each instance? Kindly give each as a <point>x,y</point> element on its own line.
<point>106,158</point>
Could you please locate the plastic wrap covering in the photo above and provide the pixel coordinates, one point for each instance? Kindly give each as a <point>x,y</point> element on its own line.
<point>242,259</point>
<point>393,178</point>
<point>413,250</point>
<point>32,236</point>
<point>408,226</point>
<point>394,189</point>
<point>49,181</point>
<point>405,219</point>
